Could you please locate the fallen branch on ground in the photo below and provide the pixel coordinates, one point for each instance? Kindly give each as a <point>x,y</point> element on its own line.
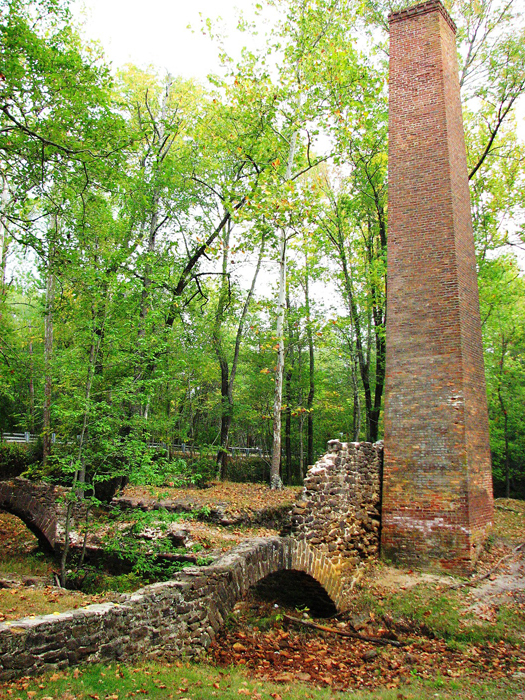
<point>496,566</point>
<point>344,633</point>
<point>509,510</point>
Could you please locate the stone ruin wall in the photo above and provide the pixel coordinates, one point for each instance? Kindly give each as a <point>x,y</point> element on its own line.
<point>177,618</point>
<point>339,511</point>
<point>336,525</point>
<point>42,507</point>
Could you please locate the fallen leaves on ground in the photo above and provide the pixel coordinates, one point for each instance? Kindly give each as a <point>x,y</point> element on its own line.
<point>287,654</point>
<point>236,498</point>
<point>16,603</point>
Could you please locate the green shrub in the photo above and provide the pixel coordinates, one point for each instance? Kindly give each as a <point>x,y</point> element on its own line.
<point>16,458</point>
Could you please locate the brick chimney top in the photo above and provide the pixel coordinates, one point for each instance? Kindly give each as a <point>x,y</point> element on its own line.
<point>422,8</point>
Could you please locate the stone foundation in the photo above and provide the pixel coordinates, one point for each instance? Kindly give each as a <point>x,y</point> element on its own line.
<point>339,511</point>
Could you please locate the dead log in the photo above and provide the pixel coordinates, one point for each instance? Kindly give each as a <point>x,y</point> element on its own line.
<point>496,566</point>
<point>345,633</point>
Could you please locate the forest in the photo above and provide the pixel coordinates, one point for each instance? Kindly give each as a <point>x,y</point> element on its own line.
<point>203,264</point>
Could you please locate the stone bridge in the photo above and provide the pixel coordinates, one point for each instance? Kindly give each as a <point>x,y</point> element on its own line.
<point>42,507</point>
<point>180,616</point>
<point>335,524</point>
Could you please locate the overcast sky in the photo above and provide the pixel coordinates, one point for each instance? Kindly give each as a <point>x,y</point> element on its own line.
<point>156,32</point>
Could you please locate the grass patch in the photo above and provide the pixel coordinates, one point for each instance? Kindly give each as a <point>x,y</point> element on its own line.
<point>202,682</point>
<point>444,613</point>
<point>31,602</point>
<point>34,564</point>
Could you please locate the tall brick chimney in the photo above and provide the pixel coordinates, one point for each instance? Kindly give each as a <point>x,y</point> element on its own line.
<point>437,485</point>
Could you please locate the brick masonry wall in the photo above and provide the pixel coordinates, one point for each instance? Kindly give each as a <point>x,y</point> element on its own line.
<point>339,510</point>
<point>437,491</point>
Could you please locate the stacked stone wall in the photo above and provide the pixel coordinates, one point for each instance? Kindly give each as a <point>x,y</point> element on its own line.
<point>179,617</point>
<point>339,511</point>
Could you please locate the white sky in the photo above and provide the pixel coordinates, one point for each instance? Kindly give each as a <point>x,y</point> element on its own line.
<point>156,32</point>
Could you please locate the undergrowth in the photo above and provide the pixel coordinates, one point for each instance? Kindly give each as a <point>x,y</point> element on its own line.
<point>443,614</point>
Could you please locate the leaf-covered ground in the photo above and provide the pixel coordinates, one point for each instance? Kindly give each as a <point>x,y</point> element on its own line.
<point>280,651</point>
<point>235,498</point>
<point>458,636</point>
<point>26,581</point>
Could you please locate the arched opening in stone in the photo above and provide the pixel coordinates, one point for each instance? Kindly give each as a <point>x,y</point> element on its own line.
<point>30,524</point>
<point>23,549</point>
<point>295,589</point>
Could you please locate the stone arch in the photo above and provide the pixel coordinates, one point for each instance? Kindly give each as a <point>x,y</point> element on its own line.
<point>295,589</point>
<point>328,572</point>
<point>35,505</point>
<point>256,559</point>
<point>217,588</point>
<point>180,616</point>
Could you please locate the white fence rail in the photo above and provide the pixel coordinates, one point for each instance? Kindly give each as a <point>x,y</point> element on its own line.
<point>19,437</point>
<point>184,448</point>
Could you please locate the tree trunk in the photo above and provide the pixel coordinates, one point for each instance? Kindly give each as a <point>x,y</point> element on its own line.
<point>357,402</point>
<point>48,349</point>
<point>31,381</point>
<point>288,411</point>
<point>505,416</point>
<point>228,377</point>
<point>161,146</point>
<point>4,241</point>
<point>311,372</point>
<point>275,467</point>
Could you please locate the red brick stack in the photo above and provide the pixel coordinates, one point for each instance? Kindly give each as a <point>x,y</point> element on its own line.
<point>437,489</point>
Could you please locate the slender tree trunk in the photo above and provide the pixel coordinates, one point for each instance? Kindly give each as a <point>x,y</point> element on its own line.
<point>311,371</point>
<point>226,395</point>
<point>161,145</point>
<point>48,348</point>
<point>288,395</point>
<point>361,351</point>
<point>31,382</point>
<point>80,472</point>
<point>357,402</point>
<point>4,239</point>
<point>227,375</point>
<point>275,467</point>
<point>505,417</point>
<point>300,469</point>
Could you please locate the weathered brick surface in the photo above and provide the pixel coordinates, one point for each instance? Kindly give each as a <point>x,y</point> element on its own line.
<point>437,490</point>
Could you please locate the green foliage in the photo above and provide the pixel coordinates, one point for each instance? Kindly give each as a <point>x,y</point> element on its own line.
<point>149,559</point>
<point>136,203</point>
<point>14,460</point>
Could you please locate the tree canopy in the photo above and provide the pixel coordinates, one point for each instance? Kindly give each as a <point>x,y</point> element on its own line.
<point>204,264</point>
